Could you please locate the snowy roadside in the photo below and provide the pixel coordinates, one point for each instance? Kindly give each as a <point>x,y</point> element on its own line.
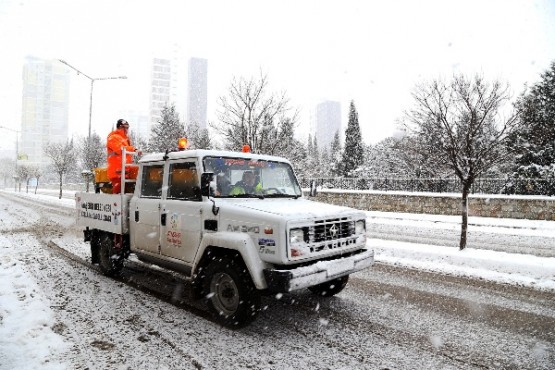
<point>27,339</point>
<point>508,268</point>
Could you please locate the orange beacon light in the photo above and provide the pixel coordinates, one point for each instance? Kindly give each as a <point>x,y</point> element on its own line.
<point>182,143</point>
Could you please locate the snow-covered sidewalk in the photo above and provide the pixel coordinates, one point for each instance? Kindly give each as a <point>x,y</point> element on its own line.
<point>509,268</point>
<point>503,267</point>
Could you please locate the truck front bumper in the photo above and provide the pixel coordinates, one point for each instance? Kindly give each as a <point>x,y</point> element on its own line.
<point>317,273</point>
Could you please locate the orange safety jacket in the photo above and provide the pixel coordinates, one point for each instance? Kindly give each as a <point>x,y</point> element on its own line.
<point>117,139</point>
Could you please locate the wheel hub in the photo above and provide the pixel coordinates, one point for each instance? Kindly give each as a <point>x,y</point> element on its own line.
<point>226,294</point>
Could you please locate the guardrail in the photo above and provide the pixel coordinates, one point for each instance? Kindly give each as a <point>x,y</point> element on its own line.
<point>483,185</point>
<point>530,207</point>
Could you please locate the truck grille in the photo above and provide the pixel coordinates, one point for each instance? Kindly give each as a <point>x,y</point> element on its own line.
<point>325,235</point>
<point>332,229</point>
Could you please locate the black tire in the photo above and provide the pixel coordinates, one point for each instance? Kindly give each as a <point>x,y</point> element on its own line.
<point>230,292</point>
<point>95,247</point>
<point>111,263</point>
<point>330,288</point>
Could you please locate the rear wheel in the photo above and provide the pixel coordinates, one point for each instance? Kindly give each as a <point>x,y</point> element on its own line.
<point>110,261</point>
<point>95,246</point>
<point>330,288</point>
<point>232,296</point>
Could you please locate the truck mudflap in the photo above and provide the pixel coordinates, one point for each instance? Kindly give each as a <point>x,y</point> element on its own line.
<point>317,273</point>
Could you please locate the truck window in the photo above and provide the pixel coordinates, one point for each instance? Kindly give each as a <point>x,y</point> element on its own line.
<point>271,178</point>
<point>151,184</point>
<point>184,182</point>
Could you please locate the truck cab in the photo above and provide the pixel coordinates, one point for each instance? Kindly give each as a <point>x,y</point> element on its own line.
<point>193,212</point>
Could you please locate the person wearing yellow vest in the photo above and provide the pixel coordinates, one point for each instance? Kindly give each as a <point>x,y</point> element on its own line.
<point>246,185</point>
<point>117,140</point>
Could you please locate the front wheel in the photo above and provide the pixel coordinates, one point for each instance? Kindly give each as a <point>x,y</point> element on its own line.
<point>232,296</point>
<point>330,288</point>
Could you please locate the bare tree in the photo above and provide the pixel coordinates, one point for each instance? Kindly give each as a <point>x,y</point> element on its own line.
<point>28,172</point>
<point>24,174</point>
<point>462,120</point>
<point>36,173</point>
<point>250,115</point>
<point>63,158</point>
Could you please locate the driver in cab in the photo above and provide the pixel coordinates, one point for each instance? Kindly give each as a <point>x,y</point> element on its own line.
<point>246,185</point>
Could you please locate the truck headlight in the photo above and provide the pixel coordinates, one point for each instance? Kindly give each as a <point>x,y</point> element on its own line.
<point>296,236</point>
<point>360,227</point>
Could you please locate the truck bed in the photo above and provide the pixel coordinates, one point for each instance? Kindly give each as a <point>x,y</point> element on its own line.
<point>108,212</point>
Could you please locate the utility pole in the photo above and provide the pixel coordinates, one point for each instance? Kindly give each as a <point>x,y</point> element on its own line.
<point>92,79</point>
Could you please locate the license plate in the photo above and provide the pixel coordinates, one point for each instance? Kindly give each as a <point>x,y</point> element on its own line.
<point>340,266</point>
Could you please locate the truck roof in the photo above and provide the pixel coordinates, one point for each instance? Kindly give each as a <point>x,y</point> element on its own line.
<point>196,153</point>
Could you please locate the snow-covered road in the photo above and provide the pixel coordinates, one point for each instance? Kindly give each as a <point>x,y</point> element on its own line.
<point>56,313</point>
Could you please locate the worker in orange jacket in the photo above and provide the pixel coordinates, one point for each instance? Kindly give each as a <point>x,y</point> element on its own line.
<point>117,140</point>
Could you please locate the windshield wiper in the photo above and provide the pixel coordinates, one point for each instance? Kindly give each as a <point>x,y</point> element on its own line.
<point>259,196</point>
<point>278,195</point>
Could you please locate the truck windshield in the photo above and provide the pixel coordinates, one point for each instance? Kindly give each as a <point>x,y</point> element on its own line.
<point>246,178</point>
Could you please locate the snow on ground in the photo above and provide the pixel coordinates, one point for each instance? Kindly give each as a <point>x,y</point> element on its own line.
<point>26,338</point>
<point>24,314</point>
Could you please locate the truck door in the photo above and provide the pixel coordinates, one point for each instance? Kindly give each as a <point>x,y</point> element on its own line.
<point>144,213</point>
<point>180,229</point>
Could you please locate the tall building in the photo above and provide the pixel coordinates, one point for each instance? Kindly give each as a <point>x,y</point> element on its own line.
<point>197,92</point>
<point>160,93</point>
<point>45,108</point>
<point>328,122</point>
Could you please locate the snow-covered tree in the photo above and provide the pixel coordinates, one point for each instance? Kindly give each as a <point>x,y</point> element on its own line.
<point>250,114</point>
<point>312,158</point>
<point>286,144</point>
<point>165,134</point>
<point>63,158</point>
<point>421,160</point>
<point>297,154</point>
<point>315,158</point>
<point>353,153</point>
<point>335,156</point>
<point>462,121</point>
<point>92,151</point>
<point>383,160</point>
<point>534,141</point>
<point>198,138</point>
<point>325,168</point>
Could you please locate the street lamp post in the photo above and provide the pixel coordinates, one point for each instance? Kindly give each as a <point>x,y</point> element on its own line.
<point>92,87</point>
<point>15,176</point>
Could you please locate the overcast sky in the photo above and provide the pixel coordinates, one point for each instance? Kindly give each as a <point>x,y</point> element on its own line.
<point>372,52</point>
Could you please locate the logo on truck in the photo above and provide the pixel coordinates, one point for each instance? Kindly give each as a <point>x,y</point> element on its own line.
<point>243,229</point>
<point>173,236</point>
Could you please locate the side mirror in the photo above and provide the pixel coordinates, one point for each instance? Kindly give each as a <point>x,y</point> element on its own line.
<point>312,192</point>
<point>206,180</point>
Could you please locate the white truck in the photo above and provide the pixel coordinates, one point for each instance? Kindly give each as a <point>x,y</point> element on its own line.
<point>186,215</point>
